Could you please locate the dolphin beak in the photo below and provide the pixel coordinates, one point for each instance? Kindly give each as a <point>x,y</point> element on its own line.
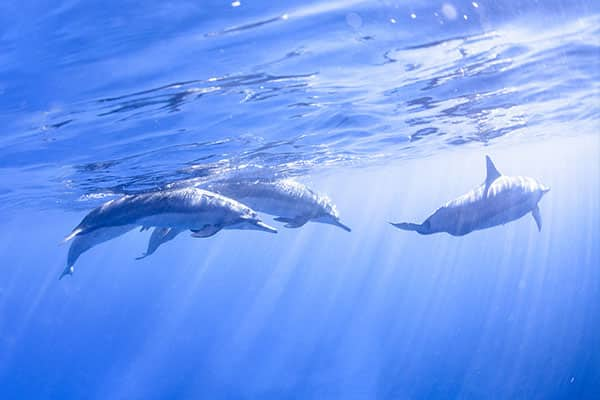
<point>545,190</point>
<point>264,227</point>
<point>344,227</point>
<point>407,226</point>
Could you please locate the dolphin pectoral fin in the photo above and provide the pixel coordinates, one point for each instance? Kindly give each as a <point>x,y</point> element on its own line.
<point>537,217</point>
<point>159,236</point>
<point>67,271</point>
<point>406,226</point>
<point>292,222</point>
<point>207,231</point>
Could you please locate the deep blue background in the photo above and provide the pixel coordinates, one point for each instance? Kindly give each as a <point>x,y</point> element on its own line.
<point>318,312</point>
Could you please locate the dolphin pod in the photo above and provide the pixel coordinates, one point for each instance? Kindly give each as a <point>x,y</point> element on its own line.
<point>500,199</point>
<point>291,202</point>
<point>234,204</point>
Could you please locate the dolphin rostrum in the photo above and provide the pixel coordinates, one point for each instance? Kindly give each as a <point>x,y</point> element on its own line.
<point>291,202</point>
<point>500,199</point>
<point>169,211</point>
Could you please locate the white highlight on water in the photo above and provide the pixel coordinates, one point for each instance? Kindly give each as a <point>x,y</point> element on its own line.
<point>354,20</point>
<point>449,11</point>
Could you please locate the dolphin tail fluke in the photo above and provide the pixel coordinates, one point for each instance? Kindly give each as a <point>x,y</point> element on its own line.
<point>537,217</point>
<point>67,271</point>
<point>406,226</point>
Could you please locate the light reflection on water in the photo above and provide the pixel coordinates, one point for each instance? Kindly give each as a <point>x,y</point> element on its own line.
<point>332,85</point>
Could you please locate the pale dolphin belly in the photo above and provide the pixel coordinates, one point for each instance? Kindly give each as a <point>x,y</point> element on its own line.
<point>509,214</point>
<point>460,218</point>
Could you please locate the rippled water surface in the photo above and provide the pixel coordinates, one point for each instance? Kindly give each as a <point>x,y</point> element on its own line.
<point>99,98</point>
<point>386,106</point>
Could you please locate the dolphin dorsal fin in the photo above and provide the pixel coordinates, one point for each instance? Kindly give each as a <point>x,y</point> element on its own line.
<point>492,173</point>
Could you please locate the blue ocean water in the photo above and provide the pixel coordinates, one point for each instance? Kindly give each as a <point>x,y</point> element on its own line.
<point>389,108</point>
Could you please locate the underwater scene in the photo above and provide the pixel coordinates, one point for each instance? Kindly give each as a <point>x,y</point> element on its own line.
<point>350,199</point>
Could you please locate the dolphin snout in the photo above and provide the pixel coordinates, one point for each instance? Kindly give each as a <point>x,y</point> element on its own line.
<point>344,227</point>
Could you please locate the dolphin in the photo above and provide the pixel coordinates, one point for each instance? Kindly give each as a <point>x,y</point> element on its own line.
<point>500,199</point>
<point>291,202</point>
<point>169,211</point>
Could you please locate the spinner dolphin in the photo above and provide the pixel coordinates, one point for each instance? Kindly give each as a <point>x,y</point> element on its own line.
<point>500,199</point>
<point>169,211</point>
